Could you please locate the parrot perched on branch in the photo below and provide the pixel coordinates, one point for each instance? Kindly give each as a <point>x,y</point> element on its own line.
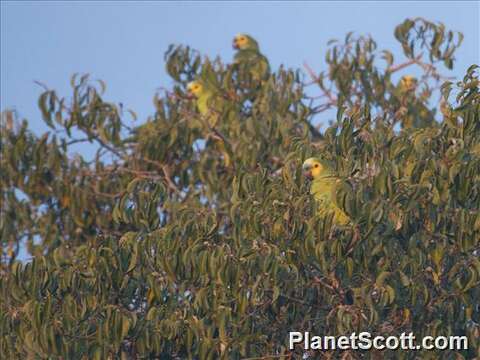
<point>249,57</point>
<point>407,84</point>
<point>324,189</point>
<point>211,106</point>
<point>209,101</point>
<point>412,111</point>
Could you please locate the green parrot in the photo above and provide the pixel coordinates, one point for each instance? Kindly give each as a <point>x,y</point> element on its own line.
<point>324,188</point>
<point>407,84</point>
<point>249,57</point>
<point>211,105</point>
<point>412,112</point>
<point>209,101</point>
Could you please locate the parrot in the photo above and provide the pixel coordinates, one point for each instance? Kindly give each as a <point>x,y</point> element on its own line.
<point>412,112</point>
<point>324,187</point>
<point>211,105</point>
<point>249,56</point>
<point>208,100</point>
<point>407,84</point>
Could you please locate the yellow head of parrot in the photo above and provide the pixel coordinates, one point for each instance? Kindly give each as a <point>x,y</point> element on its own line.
<point>241,41</point>
<point>408,82</point>
<point>194,89</point>
<point>312,168</point>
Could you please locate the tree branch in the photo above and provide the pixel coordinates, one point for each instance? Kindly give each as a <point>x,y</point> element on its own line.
<point>401,66</point>
<point>332,99</point>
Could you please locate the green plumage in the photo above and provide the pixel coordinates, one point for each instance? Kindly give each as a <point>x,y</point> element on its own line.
<point>208,100</point>
<point>412,112</point>
<point>253,62</point>
<point>249,58</point>
<point>212,106</point>
<point>324,188</point>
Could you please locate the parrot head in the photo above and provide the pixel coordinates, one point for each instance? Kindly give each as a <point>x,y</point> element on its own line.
<point>244,42</point>
<point>195,89</point>
<point>408,83</point>
<point>313,168</point>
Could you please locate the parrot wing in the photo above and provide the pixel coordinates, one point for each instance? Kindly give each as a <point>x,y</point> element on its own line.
<point>254,62</point>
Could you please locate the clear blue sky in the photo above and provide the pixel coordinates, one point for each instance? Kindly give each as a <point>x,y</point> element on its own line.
<point>123,42</point>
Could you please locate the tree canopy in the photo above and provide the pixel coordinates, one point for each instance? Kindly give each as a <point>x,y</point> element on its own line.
<point>158,247</point>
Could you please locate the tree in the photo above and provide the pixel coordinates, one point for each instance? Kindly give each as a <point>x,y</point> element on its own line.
<point>155,248</point>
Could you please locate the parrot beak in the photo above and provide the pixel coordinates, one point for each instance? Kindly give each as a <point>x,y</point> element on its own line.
<point>308,174</point>
<point>235,45</point>
<point>190,95</point>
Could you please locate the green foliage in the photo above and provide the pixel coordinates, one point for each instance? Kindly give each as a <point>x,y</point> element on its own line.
<point>156,249</point>
<point>441,44</point>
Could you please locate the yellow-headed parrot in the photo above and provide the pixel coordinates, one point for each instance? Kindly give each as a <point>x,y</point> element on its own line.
<point>324,188</point>
<point>250,58</point>
<point>208,100</point>
<point>412,111</point>
<point>211,106</point>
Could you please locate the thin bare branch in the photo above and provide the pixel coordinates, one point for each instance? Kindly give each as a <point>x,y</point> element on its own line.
<point>398,67</point>
<point>332,99</point>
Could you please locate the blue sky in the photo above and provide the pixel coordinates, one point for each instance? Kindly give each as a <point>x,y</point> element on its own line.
<point>123,42</point>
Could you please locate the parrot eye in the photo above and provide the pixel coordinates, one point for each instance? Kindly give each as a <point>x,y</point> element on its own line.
<point>316,165</point>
